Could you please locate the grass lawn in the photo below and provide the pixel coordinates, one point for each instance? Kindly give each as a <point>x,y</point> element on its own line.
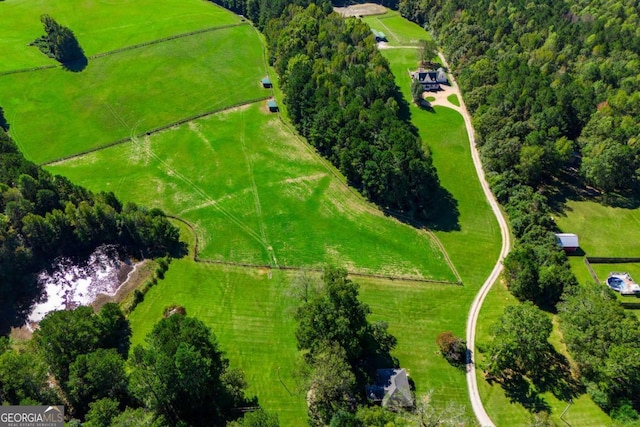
<point>453,99</point>
<point>250,314</point>
<point>583,412</point>
<point>100,26</point>
<point>471,237</point>
<point>603,230</point>
<point>258,195</point>
<point>467,228</point>
<point>54,113</point>
<point>416,314</point>
<point>398,30</point>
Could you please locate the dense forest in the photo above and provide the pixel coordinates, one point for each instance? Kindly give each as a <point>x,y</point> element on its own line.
<point>554,88</point>
<point>43,217</point>
<point>342,96</point>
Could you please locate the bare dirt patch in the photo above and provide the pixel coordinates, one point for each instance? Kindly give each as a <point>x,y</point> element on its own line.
<point>132,278</point>
<point>364,9</point>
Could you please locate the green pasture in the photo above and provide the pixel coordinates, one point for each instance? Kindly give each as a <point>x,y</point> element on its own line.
<point>471,236</point>
<point>398,30</point>
<point>55,113</point>
<point>258,195</point>
<point>416,314</point>
<point>466,226</point>
<point>603,231</point>
<point>100,25</point>
<point>252,317</point>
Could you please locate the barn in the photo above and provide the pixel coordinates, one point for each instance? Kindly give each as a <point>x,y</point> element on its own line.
<point>568,241</point>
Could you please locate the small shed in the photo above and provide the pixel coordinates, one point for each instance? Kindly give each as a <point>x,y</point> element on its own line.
<point>568,241</point>
<point>273,106</point>
<point>266,83</point>
<point>379,36</point>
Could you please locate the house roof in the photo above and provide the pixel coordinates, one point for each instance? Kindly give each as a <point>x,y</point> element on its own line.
<point>568,240</point>
<point>431,76</point>
<point>392,388</point>
<point>266,81</point>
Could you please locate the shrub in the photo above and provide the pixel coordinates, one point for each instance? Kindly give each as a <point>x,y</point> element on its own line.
<point>454,349</point>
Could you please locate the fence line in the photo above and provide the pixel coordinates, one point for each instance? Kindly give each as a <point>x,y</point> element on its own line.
<point>154,130</point>
<point>611,260</point>
<point>399,216</point>
<point>165,39</point>
<point>591,271</point>
<point>126,48</point>
<point>196,258</point>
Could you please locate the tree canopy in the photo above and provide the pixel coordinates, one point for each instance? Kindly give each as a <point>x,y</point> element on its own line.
<point>182,374</point>
<point>59,42</point>
<point>341,347</point>
<point>44,216</point>
<point>341,95</point>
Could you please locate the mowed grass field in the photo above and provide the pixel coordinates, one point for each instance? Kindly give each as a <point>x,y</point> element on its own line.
<point>474,242</point>
<point>100,25</point>
<point>398,30</point>
<point>258,195</point>
<point>471,236</point>
<point>255,194</point>
<point>252,317</point>
<point>467,229</point>
<point>55,113</point>
<point>603,231</point>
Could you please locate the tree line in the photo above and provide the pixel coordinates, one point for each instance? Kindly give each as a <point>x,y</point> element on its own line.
<point>342,97</point>
<point>554,91</point>
<point>43,217</point>
<point>180,377</point>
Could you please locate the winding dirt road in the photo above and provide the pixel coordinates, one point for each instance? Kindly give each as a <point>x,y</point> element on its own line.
<point>474,311</point>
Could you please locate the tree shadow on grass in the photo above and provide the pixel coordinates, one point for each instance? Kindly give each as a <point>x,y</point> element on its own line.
<point>571,187</point>
<point>557,378</point>
<point>519,390</point>
<point>444,215</point>
<point>76,65</point>
<point>4,125</point>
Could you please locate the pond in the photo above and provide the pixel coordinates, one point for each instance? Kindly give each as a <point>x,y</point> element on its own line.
<point>74,282</point>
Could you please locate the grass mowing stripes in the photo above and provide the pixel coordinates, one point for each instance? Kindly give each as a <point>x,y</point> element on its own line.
<point>471,236</point>
<point>100,26</point>
<point>252,317</point>
<point>54,113</point>
<point>253,191</point>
